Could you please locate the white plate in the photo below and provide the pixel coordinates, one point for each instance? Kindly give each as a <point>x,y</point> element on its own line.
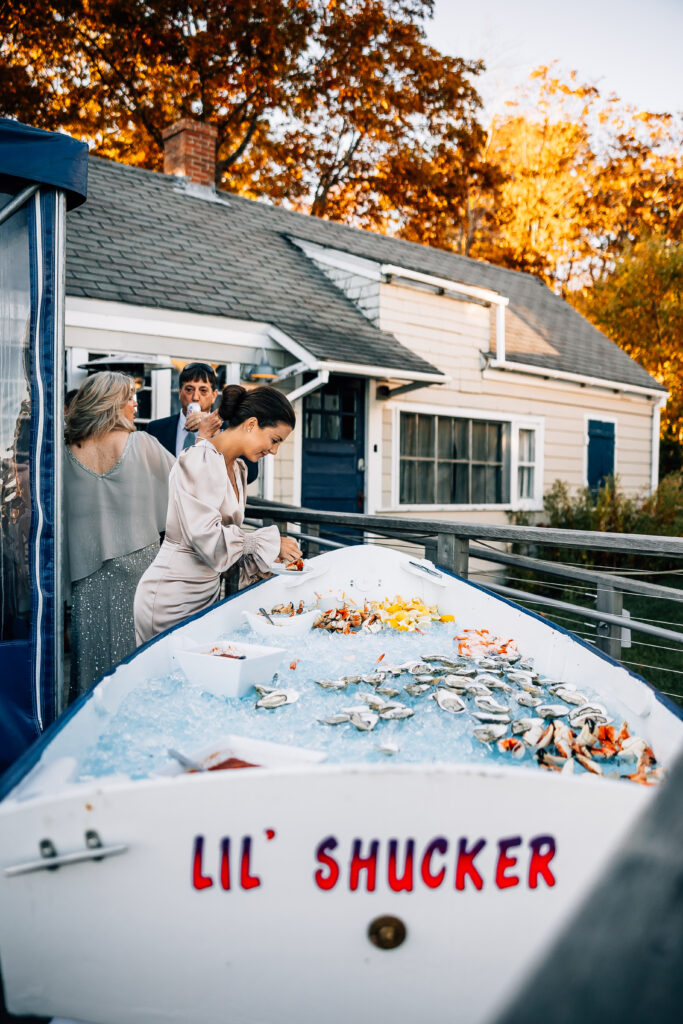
<point>279,569</point>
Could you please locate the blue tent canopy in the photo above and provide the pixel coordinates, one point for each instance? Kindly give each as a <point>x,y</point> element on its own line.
<point>34,156</point>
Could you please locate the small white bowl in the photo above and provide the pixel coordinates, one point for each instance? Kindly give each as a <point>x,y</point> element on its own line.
<point>225,676</point>
<point>285,625</point>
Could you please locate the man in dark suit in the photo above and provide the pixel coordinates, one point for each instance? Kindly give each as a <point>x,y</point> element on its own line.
<point>198,383</point>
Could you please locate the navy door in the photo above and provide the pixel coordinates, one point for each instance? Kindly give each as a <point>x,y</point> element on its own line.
<point>600,453</point>
<point>333,456</point>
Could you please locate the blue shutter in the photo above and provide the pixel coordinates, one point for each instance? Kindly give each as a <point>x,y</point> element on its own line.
<point>600,452</point>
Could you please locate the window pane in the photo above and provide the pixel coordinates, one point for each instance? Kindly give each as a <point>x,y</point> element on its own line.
<point>348,428</point>
<point>461,435</point>
<point>445,438</point>
<point>313,401</point>
<point>348,401</point>
<point>332,428</point>
<point>313,425</point>
<point>461,477</point>
<point>494,485</point>
<point>479,441</point>
<point>417,483</point>
<point>425,436</point>
<point>408,478</point>
<point>527,446</point>
<point>495,446</point>
<point>408,433</point>
<point>331,402</point>
<point>526,482</point>
<point>479,485</point>
<point>445,483</point>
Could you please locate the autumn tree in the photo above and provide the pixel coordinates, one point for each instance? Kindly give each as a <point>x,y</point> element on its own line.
<point>639,304</point>
<point>584,177</point>
<point>337,107</point>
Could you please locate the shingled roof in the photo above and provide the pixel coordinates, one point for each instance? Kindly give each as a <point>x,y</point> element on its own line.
<point>141,239</point>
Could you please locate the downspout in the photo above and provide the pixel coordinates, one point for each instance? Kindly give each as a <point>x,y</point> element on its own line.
<point>658,405</point>
<point>311,385</point>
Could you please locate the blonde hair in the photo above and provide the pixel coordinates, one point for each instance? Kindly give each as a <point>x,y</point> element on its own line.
<point>97,406</point>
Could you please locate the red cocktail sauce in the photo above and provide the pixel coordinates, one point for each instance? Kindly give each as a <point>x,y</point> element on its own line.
<point>232,762</point>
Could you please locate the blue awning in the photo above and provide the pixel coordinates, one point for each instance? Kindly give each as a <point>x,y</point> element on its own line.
<point>33,156</point>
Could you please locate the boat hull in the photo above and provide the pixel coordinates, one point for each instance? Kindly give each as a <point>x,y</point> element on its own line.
<point>250,896</point>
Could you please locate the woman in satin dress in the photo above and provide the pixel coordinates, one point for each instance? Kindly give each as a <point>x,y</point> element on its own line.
<point>206,504</point>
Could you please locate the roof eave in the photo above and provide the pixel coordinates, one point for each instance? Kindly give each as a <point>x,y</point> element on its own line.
<point>572,378</point>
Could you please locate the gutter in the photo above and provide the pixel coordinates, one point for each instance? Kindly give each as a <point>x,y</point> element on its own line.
<point>311,385</point>
<point>573,378</point>
<point>454,290</point>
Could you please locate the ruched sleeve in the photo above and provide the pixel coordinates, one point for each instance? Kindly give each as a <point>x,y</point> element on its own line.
<point>199,491</point>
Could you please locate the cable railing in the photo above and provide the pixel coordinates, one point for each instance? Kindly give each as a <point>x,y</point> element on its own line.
<point>453,545</point>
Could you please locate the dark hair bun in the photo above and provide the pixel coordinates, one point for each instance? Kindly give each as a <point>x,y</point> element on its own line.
<point>266,403</point>
<point>232,398</point>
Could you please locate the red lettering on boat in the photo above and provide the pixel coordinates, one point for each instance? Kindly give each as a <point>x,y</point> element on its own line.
<point>538,865</point>
<point>406,881</point>
<point>503,880</point>
<point>465,864</point>
<point>329,880</point>
<point>359,864</point>
<point>199,879</point>
<point>247,880</point>
<point>439,845</point>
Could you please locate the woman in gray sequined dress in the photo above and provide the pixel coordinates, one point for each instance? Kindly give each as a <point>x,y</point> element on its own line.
<point>115,498</point>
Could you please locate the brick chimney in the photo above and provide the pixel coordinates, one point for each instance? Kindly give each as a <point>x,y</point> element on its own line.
<point>190,151</point>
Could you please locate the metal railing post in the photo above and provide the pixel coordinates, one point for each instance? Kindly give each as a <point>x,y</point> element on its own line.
<point>608,635</point>
<point>313,549</point>
<point>453,553</point>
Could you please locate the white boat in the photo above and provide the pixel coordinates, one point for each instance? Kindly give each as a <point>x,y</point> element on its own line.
<point>306,889</point>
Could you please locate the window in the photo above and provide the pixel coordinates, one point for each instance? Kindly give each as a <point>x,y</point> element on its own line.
<point>330,416</point>
<point>452,460</point>
<point>449,461</point>
<point>526,460</point>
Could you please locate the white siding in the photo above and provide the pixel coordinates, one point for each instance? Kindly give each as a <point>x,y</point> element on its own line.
<point>452,335</point>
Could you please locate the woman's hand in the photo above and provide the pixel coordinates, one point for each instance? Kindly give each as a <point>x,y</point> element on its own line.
<point>289,550</point>
<point>209,425</point>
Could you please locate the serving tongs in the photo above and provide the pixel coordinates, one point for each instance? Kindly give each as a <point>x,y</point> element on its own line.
<point>187,762</point>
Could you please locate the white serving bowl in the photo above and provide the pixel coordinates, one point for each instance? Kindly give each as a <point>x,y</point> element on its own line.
<point>228,677</point>
<point>285,625</point>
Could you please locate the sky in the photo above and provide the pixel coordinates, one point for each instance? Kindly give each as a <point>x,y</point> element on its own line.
<point>629,47</point>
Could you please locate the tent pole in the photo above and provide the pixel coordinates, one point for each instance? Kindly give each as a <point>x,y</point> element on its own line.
<point>17,202</point>
<point>58,420</point>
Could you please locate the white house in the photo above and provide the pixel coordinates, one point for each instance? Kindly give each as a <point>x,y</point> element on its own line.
<point>426,383</point>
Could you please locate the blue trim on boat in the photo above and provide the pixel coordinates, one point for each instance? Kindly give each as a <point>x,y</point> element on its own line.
<point>16,772</point>
<point>23,765</point>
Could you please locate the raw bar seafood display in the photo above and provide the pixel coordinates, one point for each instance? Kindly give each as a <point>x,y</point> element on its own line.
<point>395,678</point>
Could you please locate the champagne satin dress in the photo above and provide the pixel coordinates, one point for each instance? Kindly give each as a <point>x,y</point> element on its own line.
<point>203,539</point>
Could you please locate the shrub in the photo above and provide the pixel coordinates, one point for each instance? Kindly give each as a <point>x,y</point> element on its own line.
<point>612,511</point>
